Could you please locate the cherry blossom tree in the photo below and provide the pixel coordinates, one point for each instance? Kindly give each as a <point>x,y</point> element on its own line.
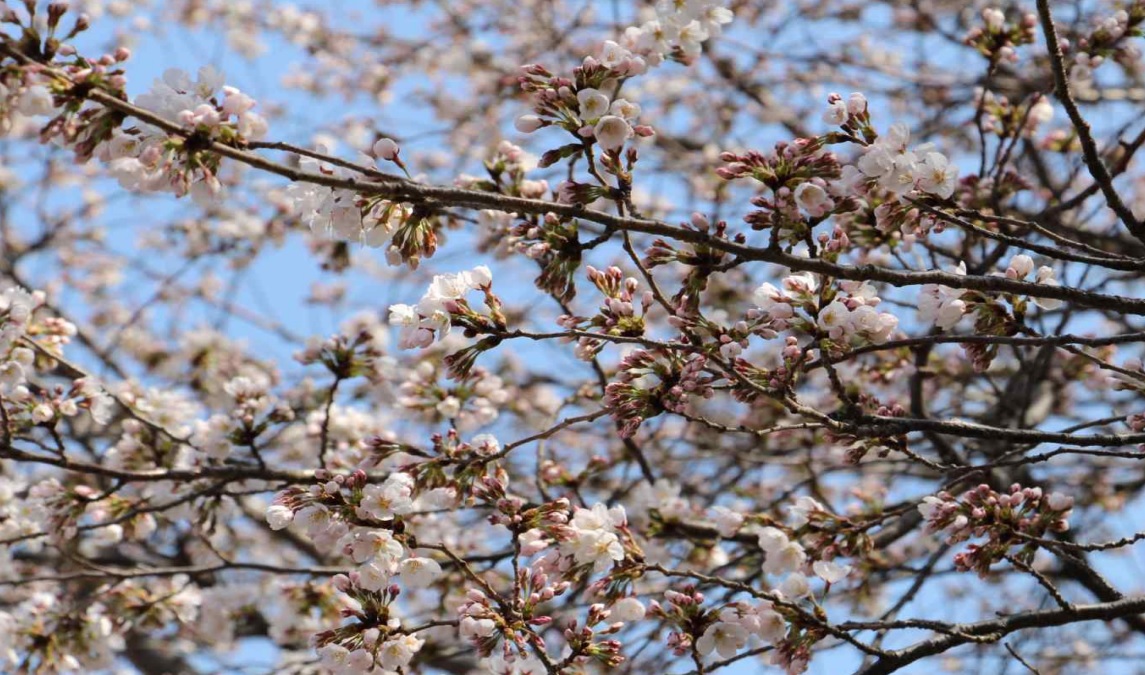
<point>682,336</point>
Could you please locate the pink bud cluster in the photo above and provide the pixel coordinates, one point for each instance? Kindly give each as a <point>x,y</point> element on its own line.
<point>786,166</point>
<point>650,382</point>
<point>996,39</point>
<point>1000,517</point>
<point>1108,39</point>
<point>616,316</point>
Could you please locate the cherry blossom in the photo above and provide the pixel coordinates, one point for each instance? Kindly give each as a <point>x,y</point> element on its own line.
<point>723,638</point>
<point>767,370</point>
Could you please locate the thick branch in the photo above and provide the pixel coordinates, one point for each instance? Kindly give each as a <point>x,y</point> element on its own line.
<point>996,629</point>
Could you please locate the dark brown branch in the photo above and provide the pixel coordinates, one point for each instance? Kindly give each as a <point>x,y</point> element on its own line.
<point>1093,160</point>
<point>996,629</point>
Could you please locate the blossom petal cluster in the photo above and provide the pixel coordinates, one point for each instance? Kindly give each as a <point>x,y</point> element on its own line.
<point>594,539</point>
<point>148,160</point>
<point>942,305</point>
<point>343,214</point>
<point>901,170</point>
<point>1021,266</point>
<point>430,318</point>
<point>678,31</point>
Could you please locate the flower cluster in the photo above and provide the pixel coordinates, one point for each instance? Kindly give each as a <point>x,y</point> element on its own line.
<point>16,307</point>
<point>193,103</point>
<point>55,508</point>
<point>735,624</point>
<point>778,306</point>
<point>252,411</point>
<point>443,304</point>
<point>1021,266</point>
<point>607,121</point>
<point>650,382</point>
<point>30,92</point>
<point>24,333</point>
<point>662,498</point>
<point>996,39</point>
<point>592,537</point>
<point>900,171</point>
<point>785,556</point>
<point>678,32</point>
<point>1108,39</point>
<point>345,215</point>
<point>349,514</point>
<point>843,314</point>
<point>148,439</point>
<point>148,159</point>
<point>852,113</point>
<point>1000,518</point>
<point>942,305</point>
<point>809,184</point>
<point>852,314</point>
<point>371,643</point>
<point>26,96</point>
<point>482,625</point>
<point>586,107</point>
<point>47,406</point>
<point>470,402</point>
<point>616,316</point>
<point>53,636</point>
<point>724,631</point>
<point>591,541</point>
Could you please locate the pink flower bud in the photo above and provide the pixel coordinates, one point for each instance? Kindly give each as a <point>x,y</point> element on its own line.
<point>386,149</point>
<point>527,124</point>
